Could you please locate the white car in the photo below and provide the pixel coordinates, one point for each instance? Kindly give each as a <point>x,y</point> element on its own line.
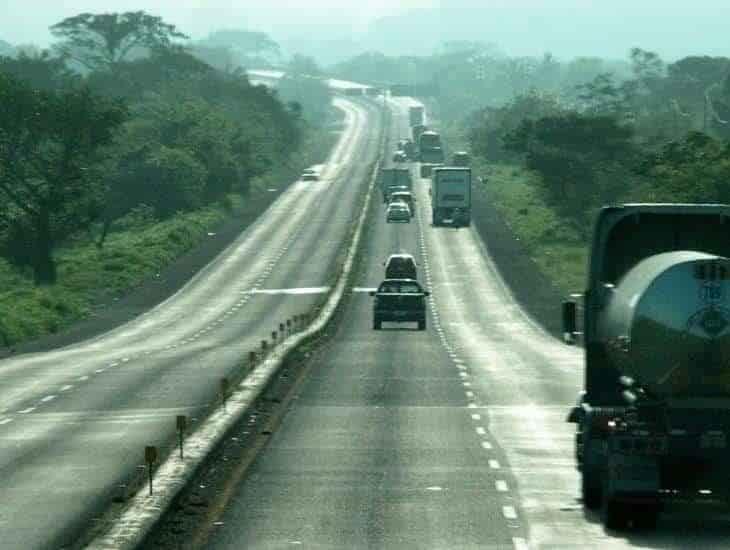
<point>398,212</point>
<point>309,174</point>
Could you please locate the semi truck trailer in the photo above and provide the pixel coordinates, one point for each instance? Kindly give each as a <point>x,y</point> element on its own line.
<point>415,115</point>
<point>451,196</point>
<point>654,417</point>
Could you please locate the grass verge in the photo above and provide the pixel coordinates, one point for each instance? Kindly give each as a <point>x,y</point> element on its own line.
<point>551,243</point>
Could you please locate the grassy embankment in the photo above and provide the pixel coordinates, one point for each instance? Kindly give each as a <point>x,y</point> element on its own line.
<point>558,252</point>
<point>136,249</point>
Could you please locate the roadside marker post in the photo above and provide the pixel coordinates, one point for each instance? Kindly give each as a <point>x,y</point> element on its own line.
<point>150,457</point>
<point>225,388</point>
<point>181,423</point>
<point>273,337</point>
<point>289,326</point>
<point>251,360</point>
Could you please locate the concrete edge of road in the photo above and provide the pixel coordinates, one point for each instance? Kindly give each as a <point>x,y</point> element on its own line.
<point>144,511</point>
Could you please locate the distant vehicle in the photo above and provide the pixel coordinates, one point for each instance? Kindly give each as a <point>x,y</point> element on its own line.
<point>410,149</point>
<point>416,132</point>
<point>461,158</point>
<point>400,301</point>
<point>404,196</point>
<point>427,169</point>
<point>430,148</point>
<point>398,212</point>
<point>432,155</point>
<point>451,196</point>
<point>391,178</point>
<point>309,174</point>
<point>654,419</point>
<point>400,266</point>
<point>400,156</point>
<point>415,115</point>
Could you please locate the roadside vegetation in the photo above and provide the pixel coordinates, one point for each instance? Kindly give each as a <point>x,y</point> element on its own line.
<point>556,140</point>
<point>124,146</point>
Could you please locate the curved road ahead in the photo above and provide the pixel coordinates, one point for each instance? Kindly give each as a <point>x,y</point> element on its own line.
<point>74,422</point>
<point>450,438</point>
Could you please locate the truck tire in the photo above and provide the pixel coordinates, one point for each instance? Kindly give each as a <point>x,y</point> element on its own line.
<point>591,490</point>
<point>615,514</point>
<point>422,325</point>
<point>645,516</point>
<point>377,323</point>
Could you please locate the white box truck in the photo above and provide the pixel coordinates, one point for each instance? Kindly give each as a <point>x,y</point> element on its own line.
<point>451,196</point>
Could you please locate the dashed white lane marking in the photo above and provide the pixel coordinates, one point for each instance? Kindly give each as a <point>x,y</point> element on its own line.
<point>470,394</point>
<point>298,291</point>
<point>501,486</point>
<point>494,464</point>
<point>463,374</point>
<point>48,398</point>
<point>486,445</point>
<point>26,411</point>
<point>99,371</point>
<point>520,543</point>
<point>471,406</point>
<point>476,417</point>
<point>84,378</point>
<point>125,359</point>
<point>481,431</point>
<point>509,512</point>
<point>66,387</point>
<point>466,384</point>
<point>115,364</point>
<point>5,421</point>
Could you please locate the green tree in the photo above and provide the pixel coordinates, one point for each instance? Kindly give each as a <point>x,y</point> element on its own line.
<point>41,70</point>
<point>103,40</point>
<point>693,169</point>
<point>583,159</point>
<point>48,142</point>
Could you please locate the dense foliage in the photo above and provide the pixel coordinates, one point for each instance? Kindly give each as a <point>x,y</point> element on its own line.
<point>145,126</point>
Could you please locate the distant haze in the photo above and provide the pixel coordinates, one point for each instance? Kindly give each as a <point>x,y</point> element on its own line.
<point>333,29</point>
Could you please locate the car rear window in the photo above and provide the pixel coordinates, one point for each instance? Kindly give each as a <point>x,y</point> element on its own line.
<point>400,288</point>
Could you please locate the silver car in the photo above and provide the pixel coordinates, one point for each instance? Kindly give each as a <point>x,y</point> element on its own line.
<point>398,212</point>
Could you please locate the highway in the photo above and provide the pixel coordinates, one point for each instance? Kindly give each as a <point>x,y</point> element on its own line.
<point>450,438</point>
<point>74,422</point>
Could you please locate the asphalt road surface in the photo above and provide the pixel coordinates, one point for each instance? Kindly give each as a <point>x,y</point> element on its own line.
<point>450,438</point>
<point>74,422</point>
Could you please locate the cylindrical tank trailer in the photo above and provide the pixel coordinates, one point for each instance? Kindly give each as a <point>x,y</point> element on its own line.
<point>666,324</point>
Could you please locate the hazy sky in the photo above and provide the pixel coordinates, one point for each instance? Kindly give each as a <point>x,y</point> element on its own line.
<point>566,28</point>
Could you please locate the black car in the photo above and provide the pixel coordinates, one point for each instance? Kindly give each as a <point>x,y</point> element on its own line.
<point>400,266</point>
<point>399,301</point>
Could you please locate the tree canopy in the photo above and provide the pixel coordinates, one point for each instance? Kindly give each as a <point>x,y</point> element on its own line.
<point>103,40</point>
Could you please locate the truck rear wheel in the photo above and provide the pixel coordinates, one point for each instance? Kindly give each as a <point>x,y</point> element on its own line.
<point>591,490</point>
<point>615,514</point>
<point>422,325</point>
<point>377,324</point>
<point>645,516</point>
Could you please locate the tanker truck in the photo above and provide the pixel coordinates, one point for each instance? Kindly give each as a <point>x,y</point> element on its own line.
<point>654,416</point>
